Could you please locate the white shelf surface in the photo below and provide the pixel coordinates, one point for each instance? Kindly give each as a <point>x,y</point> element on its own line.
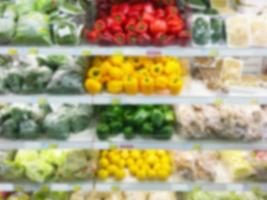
<point>90,141</point>
<point>195,92</point>
<point>10,187</point>
<point>138,186</point>
<point>135,50</point>
<point>179,187</point>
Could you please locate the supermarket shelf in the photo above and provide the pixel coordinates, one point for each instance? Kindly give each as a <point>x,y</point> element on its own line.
<point>10,187</point>
<point>138,186</point>
<point>179,187</point>
<point>135,51</point>
<point>85,143</point>
<point>183,145</point>
<point>106,99</point>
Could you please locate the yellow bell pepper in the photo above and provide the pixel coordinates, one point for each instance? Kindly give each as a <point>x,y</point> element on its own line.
<point>161,83</point>
<point>175,85</point>
<point>127,68</point>
<point>115,73</point>
<point>173,68</point>
<point>130,85</point>
<point>115,86</point>
<point>117,59</point>
<point>94,73</point>
<point>105,67</point>
<point>93,86</point>
<point>147,85</point>
<point>156,70</point>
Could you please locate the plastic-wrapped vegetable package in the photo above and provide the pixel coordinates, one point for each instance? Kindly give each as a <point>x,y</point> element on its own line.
<point>35,79</point>
<point>217,34</point>
<point>238,31</point>
<point>200,30</point>
<point>33,28</point>
<point>7,22</point>
<point>20,122</point>
<point>46,165</point>
<point>259,31</point>
<point>60,124</point>
<point>195,166</point>
<point>65,32</point>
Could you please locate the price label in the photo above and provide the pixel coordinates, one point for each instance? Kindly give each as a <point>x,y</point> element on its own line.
<point>61,187</point>
<point>235,187</point>
<point>42,101</point>
<point>113,146</point>
<point>115,101</point>
<point>12,52</point>
<point>214,53</point>
<point>76,188</point>
<point>53,146</point>
<point>153,53</point>
<point>118,52</point>
<point>86,53</point>
<point>254,102</point>
<point>197,147</point>
<point>32,145</point>
<point>33,51</point>
<point>218,102</point>
<point>115,188</point>
<point>7,187</point>
<point>127,146</point>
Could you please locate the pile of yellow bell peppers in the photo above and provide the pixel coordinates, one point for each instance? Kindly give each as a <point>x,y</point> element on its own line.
<point>132,75</point>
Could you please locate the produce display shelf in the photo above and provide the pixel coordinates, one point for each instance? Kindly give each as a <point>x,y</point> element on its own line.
<point>134,144</point>
<point>180,187</point>
<point>222,51</point>
<point>28,187</point>
<point>138,186</point>
<point>107,99</point>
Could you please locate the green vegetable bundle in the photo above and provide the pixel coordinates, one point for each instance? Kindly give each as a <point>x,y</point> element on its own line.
<point>146,121</point>
<point>61,123</point>
<point>48,165</point>
<point>19,122</point>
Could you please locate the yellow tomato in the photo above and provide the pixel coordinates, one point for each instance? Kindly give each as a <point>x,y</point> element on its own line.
<point>103,162</point>
<point>119,174</point>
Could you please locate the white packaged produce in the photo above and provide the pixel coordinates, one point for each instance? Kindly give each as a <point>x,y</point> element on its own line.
<point>134,195</point>
<point>259,31</point>
<point>195,166</point>
<point>161,196</point>
<point>238,31</point>
<point>231,69</point>
<point>222,122</point>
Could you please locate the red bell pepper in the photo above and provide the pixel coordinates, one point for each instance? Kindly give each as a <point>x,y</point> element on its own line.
<point>148,8</point>
<point>148,17</point>
<point>118,17</point>
<point>158,26</point>
<point>124,8</point>
<point>131,38</point>
<point>116,28</point>
<point>172,11</point>
<point>130,25</point>
<point>175,25</point>
<point>159,13</point>
<point>106,38</point>
<point>141,27</point>
<point>119,38</point>
<point>100,25</point>
<point>144,39</point>
<point>93,36</point>
<point>163,39</point>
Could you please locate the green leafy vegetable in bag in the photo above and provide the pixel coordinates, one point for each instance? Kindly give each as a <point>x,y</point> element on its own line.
<point>33,28</point>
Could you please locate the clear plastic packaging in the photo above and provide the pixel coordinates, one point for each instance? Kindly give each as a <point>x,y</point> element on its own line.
<point>200,30</point>
<point>33,28</point>
<point>238,31</point>
<point>259,31</point>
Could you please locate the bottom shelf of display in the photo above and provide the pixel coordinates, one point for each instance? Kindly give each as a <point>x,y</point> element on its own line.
<point>138,186</point>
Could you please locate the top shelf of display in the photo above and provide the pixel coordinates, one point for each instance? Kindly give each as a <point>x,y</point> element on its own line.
<point>165,28</point>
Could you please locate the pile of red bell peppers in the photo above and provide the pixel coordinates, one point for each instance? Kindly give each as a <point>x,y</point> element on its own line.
<point>138,23</point>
